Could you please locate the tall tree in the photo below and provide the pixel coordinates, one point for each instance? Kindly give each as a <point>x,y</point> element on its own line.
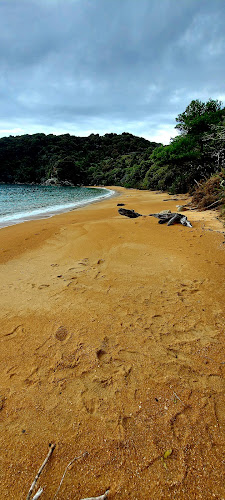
<point>199,116</point>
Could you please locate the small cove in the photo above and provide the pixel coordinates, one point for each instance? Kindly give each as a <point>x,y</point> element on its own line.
<point>22,202</point>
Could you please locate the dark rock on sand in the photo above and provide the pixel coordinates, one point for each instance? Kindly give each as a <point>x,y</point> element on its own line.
<point>129,213</point>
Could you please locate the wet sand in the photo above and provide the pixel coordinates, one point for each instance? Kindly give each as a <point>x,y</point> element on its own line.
<point>112,344</point>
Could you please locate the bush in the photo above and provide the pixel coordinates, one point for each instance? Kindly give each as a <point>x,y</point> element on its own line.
<point>210,193</point>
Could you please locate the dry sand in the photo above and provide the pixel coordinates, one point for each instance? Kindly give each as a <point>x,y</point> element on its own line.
<point>112,343</point>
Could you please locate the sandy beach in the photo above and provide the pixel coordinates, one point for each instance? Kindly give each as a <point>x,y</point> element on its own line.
<point>112,347</point>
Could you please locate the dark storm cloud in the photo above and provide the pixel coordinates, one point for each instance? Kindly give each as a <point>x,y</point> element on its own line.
<point>101,65</point>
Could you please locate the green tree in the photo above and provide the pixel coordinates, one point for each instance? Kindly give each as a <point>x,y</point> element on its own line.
<point>67,171</point>
<point>199,116</point>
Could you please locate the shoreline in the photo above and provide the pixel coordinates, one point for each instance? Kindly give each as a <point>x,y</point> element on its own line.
<point>31,234</point>
<point>112,343</point>
<point>46,213</point>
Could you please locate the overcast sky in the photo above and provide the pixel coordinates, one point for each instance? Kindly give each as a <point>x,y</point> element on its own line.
<point>97,66</point>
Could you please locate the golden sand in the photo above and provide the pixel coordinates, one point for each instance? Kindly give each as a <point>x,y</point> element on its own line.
<point>112,343</point>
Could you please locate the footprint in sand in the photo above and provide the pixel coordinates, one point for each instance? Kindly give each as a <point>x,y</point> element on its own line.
<point>100,261</point>
<point>84,262</point>
<point>2,401</point>
<point>14,331</point>
<point>40,287</point>
<point>188,289</point>
<point>62,334</point>
<point>32,378</point>
<point>101,353</point>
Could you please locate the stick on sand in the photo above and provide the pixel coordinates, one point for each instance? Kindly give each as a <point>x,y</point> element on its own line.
<point>38,494</point>
<point>102,497</point>
<point>66,469</point>
<point>51,449</point>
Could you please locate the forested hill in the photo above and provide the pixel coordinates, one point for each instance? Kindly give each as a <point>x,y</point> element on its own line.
<point>193,156</point>
<point>111,159</point>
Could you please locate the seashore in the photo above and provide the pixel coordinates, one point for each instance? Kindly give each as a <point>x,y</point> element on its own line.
<point>112,347</point>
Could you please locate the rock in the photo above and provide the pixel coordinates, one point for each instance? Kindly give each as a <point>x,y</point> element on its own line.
<point>181,208</point>
<point>66,183</point>
<point>53,181</point>
<point>120,204</point>
<point>129,213</point>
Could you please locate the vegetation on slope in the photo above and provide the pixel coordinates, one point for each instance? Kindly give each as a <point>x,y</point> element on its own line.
<point>111,159</point>
<point>193,156</point>
<point>211,193</point>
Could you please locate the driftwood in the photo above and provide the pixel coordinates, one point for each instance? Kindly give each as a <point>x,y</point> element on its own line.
<point>38,494</point>
<point>40,491</point>
<point>129,213</point>
<point>164,217</point>
<point>171,218</point>
<point>52,447</point>
<point>176,396</point>
<point>102,497</point>
<point>213,204</point>
<point>66,469</point>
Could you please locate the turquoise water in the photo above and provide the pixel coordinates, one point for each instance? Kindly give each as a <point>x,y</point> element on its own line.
<point>19,203</point>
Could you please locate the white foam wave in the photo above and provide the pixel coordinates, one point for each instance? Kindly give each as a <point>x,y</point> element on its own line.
<point>39,213</point>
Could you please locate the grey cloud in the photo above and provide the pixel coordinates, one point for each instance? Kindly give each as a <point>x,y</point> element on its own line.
<point>90,62</point>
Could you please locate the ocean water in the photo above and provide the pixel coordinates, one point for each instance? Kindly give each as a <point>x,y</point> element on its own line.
<point>19,203</point>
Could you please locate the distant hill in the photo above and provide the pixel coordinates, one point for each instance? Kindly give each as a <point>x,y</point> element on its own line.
<point>197,153</point>
<point>120,159</point>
